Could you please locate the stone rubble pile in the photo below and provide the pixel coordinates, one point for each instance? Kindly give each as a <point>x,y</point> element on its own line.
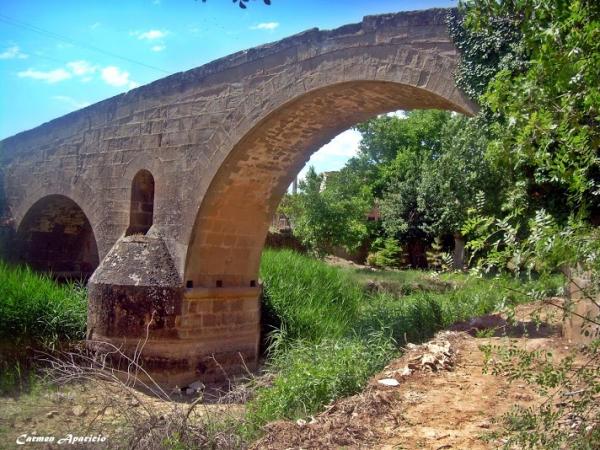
<point>433,356</point>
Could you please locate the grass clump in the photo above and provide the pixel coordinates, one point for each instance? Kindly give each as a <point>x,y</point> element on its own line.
<point>311,375</point>
<point>35,308</point>
<point>306,299</point>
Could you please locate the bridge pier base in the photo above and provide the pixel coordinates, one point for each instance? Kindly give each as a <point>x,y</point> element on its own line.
<point>137,304</point>
<point>220,331</point>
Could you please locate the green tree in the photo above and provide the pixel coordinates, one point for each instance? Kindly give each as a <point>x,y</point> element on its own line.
<point>331,212</point>
<point>383,137</point>
<point>400,213</point>
<point>450,185</point>
<point>410,145</point>
<point>435,175</point>
<point>544,136</point>
<point>543,116</point>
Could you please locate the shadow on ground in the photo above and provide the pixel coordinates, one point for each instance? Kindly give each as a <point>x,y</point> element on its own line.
<point>494,325</point>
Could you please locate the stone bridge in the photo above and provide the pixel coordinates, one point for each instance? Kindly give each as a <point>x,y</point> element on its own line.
<point>164,194</point>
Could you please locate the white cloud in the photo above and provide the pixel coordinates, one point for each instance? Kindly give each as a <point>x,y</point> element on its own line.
<point>270,26</point>
<point>81,67</point>
<point>344,145</point>
<point>84,71</point>
<point>194,29</point>
<point>116,77</point>
<point>51,76</point>
<point>71,102</point>
<point>155,37</point>
<point>13,52</point>
<point>333,155</point>
<point>150,35</point>
<point>95,25</point>
<point>64,45</point>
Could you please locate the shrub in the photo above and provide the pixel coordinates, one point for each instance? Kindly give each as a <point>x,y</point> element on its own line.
<point>387,253</point>
<point>311,375</point>
<point>437,259</point>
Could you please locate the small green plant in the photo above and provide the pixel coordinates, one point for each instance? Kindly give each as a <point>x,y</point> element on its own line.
<point>437,259</point>
<point>14,377</point>
<point>569,414</point>
<point>173,442</point>
<point>485,333</point>
<point>385,253</point>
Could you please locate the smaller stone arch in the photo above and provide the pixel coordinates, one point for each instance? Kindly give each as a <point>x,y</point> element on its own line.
<point>55,236</point>
<point>141,213</point>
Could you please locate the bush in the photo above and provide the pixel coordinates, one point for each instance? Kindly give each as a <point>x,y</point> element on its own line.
<point>437,259</point>
<point>311,375</point>
<point>387,253</point>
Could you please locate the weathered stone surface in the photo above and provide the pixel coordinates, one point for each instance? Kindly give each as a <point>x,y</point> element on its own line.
<point>135,292</point>
<point>222,143</point>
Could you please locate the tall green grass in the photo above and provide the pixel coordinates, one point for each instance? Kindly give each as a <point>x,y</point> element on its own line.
<point>306,299</point>
<point>35,308</point>
<point>310,375</point>
<point>332,335</point>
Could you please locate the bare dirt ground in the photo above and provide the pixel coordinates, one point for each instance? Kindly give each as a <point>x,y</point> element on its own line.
<point>336,261</point>
<point>95,408</point>
<point>435,396</point>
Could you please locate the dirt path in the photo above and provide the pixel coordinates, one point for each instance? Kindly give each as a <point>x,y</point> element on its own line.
<point>453,409</point>
<point>452,406</point>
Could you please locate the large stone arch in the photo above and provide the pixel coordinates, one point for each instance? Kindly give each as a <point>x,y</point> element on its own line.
<point>409,53</point>
<point>56,236</point>
<point>236,210</point>
<point>269,114</point>
<point>301,108</point>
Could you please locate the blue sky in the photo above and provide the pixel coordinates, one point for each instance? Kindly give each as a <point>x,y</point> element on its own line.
<point>59,56</point>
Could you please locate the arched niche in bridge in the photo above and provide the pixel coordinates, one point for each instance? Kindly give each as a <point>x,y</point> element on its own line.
<point>232,223</point>
<point>56,236</point>
<point>141,210</point>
